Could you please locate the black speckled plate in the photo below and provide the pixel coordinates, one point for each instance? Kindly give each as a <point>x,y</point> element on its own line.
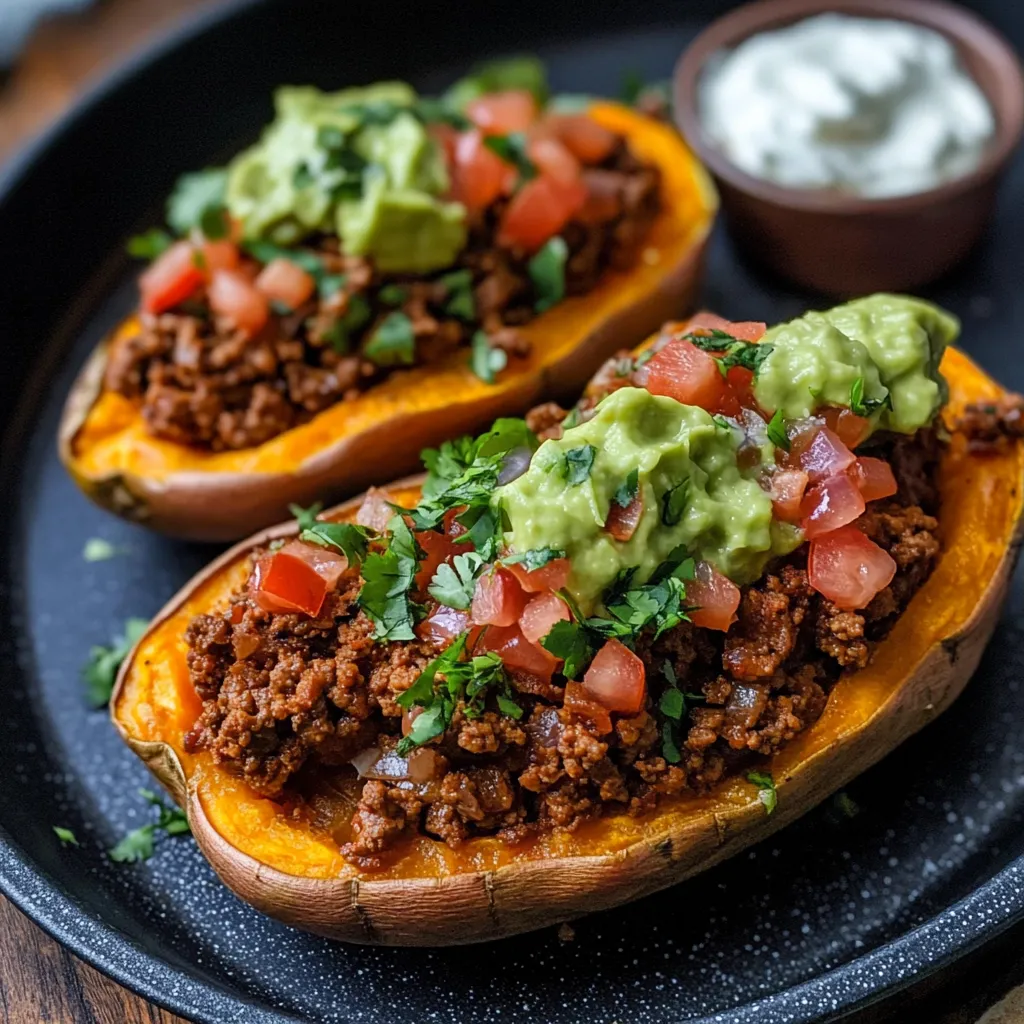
<point>821,919</point>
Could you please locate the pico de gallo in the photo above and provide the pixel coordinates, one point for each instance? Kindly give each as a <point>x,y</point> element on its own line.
<point>369,230</point>
<point>591,610</point>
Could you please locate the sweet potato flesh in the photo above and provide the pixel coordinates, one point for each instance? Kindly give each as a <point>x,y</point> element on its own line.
<point>113,438</point>
<point>981,505</point>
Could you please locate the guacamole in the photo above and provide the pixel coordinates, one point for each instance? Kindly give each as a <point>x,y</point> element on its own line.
<point>892,344</point>
<point>694,494</point>
<point>358,163</point>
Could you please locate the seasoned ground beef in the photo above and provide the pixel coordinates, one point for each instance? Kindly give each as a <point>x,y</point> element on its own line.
<point>990,426</point>
<point>202,383</point>
<point>288,701</point>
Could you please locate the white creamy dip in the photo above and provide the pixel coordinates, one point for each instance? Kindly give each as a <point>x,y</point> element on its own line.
<point>871,106</point>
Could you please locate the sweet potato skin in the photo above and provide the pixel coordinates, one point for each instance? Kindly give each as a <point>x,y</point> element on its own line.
<point>221,496</point>
<point>435,896</point>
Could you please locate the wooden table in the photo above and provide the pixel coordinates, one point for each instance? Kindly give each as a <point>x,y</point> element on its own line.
<point>40,982</point>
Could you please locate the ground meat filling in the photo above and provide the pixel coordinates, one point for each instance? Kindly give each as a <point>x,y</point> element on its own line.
<point>288,701</point>
<point>200,382</point>
<point>992,426</point>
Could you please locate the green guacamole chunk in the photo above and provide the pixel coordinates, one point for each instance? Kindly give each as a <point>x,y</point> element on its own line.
<point>694,494</point>
<point>883,349</point>
<point>358,162</point>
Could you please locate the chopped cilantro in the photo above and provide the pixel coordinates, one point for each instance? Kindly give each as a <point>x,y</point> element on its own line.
<point>570,642</point>
<point>735,352</point>
<point>459,301</point>
<point>349,539</point>
<point>393,294</point>
<point>673,502</point>
<point>357,314</point>
<point>453,585</point>
<point>197,198</point>
<point>534,559</point>
<point>99,550</point>
<point>777,431</point>
<point>844,805</point>
<point>497,76</point>
<point>149,244</point>
<point>512,149</point>
<point>485,360</point>
<point>669,743</point>
<point>766,789</point>
<point>578,463</point>
<point>632,86</point>
<point>138,845</point>
<point>66,836</point>
<point>214,223</point>
<point>722,422</point>
<point>672,703</point>
<point>572,419</point>
<point>547,272</point>
<point>100,671</point>
<point>392,342</point>
<point>628,490</point>
<point>861,406</point>
<point>387,579</point>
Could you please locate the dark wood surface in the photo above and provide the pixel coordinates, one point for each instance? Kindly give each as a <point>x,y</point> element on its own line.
<point>40,982</point>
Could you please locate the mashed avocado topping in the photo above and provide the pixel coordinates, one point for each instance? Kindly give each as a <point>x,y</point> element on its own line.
<point>359,163</point>
<point>879,354</point>
<point>694,495</point>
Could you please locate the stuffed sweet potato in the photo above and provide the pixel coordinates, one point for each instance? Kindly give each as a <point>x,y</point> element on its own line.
<point>380,272</point>
<point>739,571</point>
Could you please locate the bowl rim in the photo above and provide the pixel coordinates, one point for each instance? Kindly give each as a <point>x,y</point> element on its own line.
<point>965,29</point>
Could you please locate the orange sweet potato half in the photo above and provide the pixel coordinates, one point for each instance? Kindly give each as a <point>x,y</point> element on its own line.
<point>434,895</point>
<point>209,495</point>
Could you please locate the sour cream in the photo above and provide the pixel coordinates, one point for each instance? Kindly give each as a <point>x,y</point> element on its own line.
<point>870,106</point>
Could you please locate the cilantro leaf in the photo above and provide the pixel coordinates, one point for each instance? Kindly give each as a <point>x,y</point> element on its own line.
<point>149,244</point>
<point>387,580</point>
<point>509,707</point>
<point>100,671</point>
<point>669,744</point>
<point>547,272</point>
<point>672,703</point>
<point>766,789</point>
<point>485,360</point>
<point>453,585</point>
<point>306,517</point>
<point>459,301</point>
<point>393,294</point>
<point>569,641</point>
<point>777,431</point>
<point>628,490</point>
<point>66,836</point>
<point>197,198</point>
<point>673,502</point>
<point>578,464</point>
<point>735,352</point>
<point>137,845</point>
<point>861,406</point>
<point>447,463</point>
<point>392,342</point>
<point>349,539</point>
<point>357,315</point>
<point>631,87</point>
<point>497,76</point>
<point>534,559</point>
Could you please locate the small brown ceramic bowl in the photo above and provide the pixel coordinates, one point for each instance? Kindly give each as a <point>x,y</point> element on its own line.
<point>847,245</point>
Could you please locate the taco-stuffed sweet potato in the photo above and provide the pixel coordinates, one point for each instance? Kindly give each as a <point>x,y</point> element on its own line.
<point>380,272</point>
<point>598,652</point>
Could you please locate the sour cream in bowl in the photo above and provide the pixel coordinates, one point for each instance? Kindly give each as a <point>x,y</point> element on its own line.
<point>857,144</point>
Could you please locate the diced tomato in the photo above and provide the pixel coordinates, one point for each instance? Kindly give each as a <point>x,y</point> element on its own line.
<point>443,625</point>
<point>588,141</point>
<point>235,298</point>
<point>825,456</point>
<point>283,281</point>
<point>499,600</point>
<point>622,522</point>
<point>716,598</point>
<point>787,491</point>
<point>287,583</point>
<point>848,568</point>
<point>744,330</point>
<point>326,562</point>
<point>375,513</point>
<point>437,548</point>
<point>850,428</point>
<point>688,374</point>
<point>538,211</point>
<point>478,175</point>
<point>170,279</point>
<point>741,384</point>
<point>579,702</point>
<point>452,527</point>
<point>551,157</point>
<point>499,113</point>
<point>552,576</point>
<point>616,678</point>
<point>830,504</point>
<point>518,653</point>
<point>873,477</point>
<point>221,254</point>
<point>540,615</point>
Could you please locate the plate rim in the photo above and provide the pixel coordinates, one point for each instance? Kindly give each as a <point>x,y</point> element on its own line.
<point>931,946</point>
